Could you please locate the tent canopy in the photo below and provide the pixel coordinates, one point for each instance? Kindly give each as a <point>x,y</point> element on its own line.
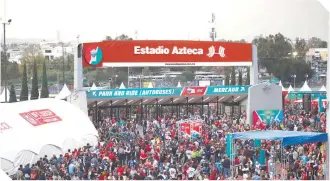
<point>280,84</point>
<point>150,85</point>
<point>305,87</point>
<point>287,137</point>
<point>122,86</point>
<point>290,89</point>
<point>3,97</point>
<point>93,87</point>
<point>65,92</point>
<point>323,88</point>
<point>41,127</point>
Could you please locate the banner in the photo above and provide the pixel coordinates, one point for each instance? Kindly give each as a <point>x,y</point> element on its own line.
<point>196,129</point>
<point>185,129</point>
<point>133,93</point>
<point>40,117</point>
<point>216,90</point>
<point>165,53</point>
<point>267,116</point>
<point>193,91</point>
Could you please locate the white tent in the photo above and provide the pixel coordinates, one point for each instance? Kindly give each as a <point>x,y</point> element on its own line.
<point>323,88</point>
<point>41,127</point>
<point>65,92</point>
<point>4,176</point>
<point>305,87</point>
<point>93,87</point>
<point>3,97</point>
<point>179,84</point>
<point>280,84</point>
<point>150,85</point>
<point>122,86</point>
<point>290,89</point>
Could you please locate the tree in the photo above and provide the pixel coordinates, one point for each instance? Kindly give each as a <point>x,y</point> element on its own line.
<point>44,86</point>
<point>34,89</point>
<point>233,76</point>
<point>240,78</point>
<point>12,94</point>
<point>300,47</point>
<point>227,78</point>
<point>247,80</point>
<point>275,54</point>
<point>315,42</point>
<point>190,76</point>
<point>24,90</point>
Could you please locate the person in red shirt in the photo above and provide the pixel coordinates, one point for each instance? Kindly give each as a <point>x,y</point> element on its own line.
<point>213,174</point>
<point>143,156</point>
<point>148,148</point>
<point>120,170</point>
<point>112,156</point>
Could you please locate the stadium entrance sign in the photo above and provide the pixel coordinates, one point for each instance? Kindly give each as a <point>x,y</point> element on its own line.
<point>137,53</point>
<point>133,93</point>
<point>216,90</point>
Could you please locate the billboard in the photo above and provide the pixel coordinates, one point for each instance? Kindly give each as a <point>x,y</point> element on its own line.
<point>165,53</point>
<point>267,116</point>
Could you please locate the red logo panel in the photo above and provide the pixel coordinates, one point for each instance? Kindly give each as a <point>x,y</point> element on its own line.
<point>193,91</point>
<point>40,117</point>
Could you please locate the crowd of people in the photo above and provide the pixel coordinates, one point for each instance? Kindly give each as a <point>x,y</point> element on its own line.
<point>151,149</point>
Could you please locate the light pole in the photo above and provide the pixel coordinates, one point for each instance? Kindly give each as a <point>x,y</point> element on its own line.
<point>5,56</point>
<point>294,80</point>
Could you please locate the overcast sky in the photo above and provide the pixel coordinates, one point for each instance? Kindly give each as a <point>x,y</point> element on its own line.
<point>163,19</point>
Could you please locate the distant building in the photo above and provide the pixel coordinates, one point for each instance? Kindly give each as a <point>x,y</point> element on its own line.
<point>15,55</point>
<point>51,50</point>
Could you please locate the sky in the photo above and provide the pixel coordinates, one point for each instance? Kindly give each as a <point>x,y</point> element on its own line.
<point>163,19</point>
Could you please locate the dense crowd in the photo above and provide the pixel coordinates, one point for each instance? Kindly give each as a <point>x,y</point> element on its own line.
<point>154,149</point>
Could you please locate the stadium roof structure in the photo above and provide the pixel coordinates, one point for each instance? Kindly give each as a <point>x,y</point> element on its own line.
<point>167,96</point>
<point>287,137</point>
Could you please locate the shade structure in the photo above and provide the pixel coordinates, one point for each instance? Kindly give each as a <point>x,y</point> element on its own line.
<point>65,92</point>
<point>122,86</point>
<point>179,84</point>
<point>150,85</point>
<point>305,87</point>
<point>323,88</point>
<point>280,84</point>
<point>41,127</point>
<point>290,89</point>
<point>93,87</point>
<point>4,176</point>
<point>287,137</point>
<point>3,96</point>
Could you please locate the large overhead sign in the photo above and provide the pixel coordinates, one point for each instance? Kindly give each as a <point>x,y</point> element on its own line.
<point>165,53</point>
<point>166,92</point>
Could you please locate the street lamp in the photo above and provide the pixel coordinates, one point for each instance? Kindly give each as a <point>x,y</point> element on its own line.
<point>295,54</point>
<point>5,56</point>
<point>294,80</point>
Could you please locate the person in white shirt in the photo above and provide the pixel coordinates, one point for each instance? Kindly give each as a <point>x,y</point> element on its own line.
<point>172,173</point>
<point>188,154</point>
<point>191,173</point>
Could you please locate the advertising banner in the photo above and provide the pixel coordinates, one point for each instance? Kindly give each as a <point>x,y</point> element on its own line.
<point>267,116</point>
<point>40,117</point>
<point>193,91</point>
<point>216,90</point>
<point>185,129</point>
<point>165,53</point>
<point>196,129</point>
<point>133,93</point>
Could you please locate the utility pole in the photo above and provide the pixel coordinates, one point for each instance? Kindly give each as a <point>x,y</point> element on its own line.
<point>63,63</point>
<point>213,34</point>
<point>5,58</point>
